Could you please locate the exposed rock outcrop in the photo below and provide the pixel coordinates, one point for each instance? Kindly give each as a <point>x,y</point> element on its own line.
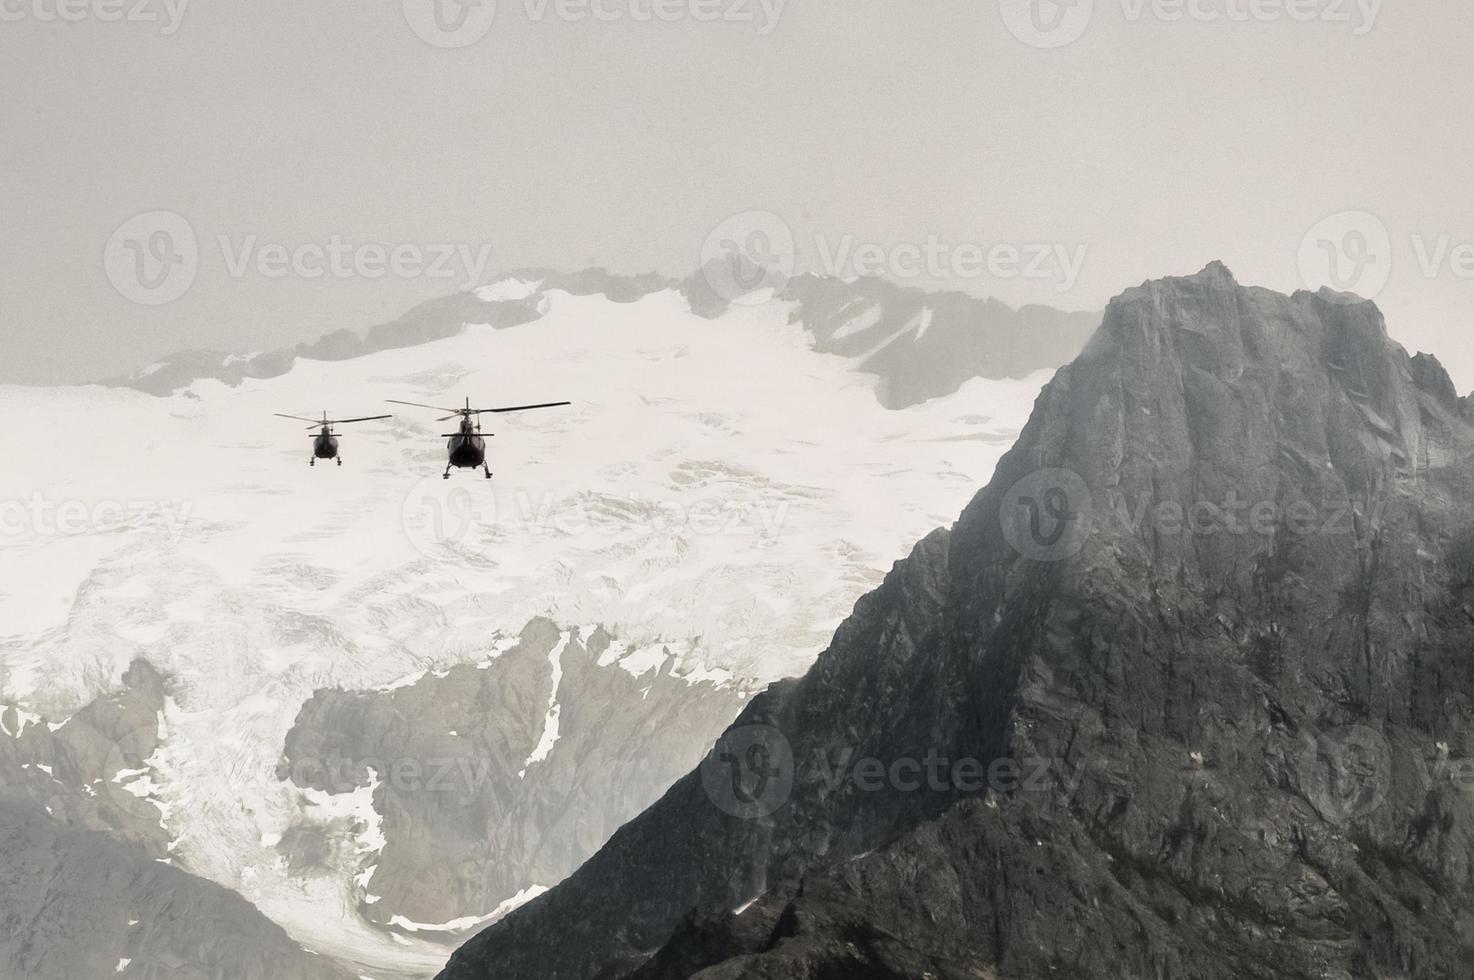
<point>84,905</point>
<point>495,779</point>
<point>1186,694</point>
<point>88,889</point>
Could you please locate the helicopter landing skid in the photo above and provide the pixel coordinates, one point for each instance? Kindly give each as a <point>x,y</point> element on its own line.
<point>484,468</point>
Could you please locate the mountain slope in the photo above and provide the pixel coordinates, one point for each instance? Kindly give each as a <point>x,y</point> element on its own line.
<point>83,905</point>
<point>487,792</point>
<point>1186,693</point>
<point>918,345</point>
<point>710,507</point>
<point>87,890</point>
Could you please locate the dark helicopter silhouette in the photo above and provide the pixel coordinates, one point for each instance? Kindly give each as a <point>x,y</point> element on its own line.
<point>325,441</point>
<point>467,448</point>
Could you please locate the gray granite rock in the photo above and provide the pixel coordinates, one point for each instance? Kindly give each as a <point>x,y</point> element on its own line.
<point>469,821</point>
<point>84,905</point>
<point>88,888</point>
<point>1206,639</point>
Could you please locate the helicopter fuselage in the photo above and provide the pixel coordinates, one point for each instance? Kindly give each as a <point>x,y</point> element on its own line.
<point>325,445</point>
<point>466,451</point>
<point>467,448</point>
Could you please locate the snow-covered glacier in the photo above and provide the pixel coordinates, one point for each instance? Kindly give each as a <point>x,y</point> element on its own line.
<point>562,640</point>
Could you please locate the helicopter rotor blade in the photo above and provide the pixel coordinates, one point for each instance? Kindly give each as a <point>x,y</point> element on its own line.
<point>366,418</point>
<point>437,408</point>
<point>517,408</point>
<point>297,418</point>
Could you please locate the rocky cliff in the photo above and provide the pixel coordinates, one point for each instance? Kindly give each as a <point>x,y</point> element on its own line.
<point>495,780</point>
<point>1186,694</point>
<point>88,886</point>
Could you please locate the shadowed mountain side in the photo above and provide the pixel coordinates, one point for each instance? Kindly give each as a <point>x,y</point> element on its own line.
<point>83,905</point>
<point>87,890</point>
<point>1204,640</point>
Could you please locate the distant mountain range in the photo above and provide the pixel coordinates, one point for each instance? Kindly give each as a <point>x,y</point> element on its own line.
<point>920,344</point>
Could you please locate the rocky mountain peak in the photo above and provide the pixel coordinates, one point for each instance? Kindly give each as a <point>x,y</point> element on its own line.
<point>1189,683</point>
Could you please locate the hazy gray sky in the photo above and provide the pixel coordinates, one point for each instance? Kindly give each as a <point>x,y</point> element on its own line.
<point>1146,146</point>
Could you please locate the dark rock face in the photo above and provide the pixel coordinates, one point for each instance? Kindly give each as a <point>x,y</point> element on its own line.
<point>87,890</point>
<point>84,905</point>
<point>481,796</point>
<point>86,771</point>
<point>1186,694</point>
<point>925,345</point>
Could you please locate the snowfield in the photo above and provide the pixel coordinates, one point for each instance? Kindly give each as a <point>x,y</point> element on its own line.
<point>718,490</point>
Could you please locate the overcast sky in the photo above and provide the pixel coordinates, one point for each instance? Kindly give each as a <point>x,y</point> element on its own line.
<point>305,134</point>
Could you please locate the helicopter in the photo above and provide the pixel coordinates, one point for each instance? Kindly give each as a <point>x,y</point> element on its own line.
<point>467,448</point>
<point>325,441</point>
